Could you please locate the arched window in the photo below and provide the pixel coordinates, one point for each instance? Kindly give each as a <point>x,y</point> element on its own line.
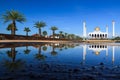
<point>103,35</point>
<point>95,35</point>
<point>89,34</point>
<point>97,46</point>
<point>106,35</point>
<point>92,35</point>
<point>98,35</point>
<point>92,46</point>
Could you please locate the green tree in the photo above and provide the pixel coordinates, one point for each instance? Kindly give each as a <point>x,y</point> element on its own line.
<point>54,28</point>
<point>39,25</point>
<point>66,35</point>
<point>61,34</point>
<point>10,26</point>
<point>44,33</point>
<point>26,29</point>
<point>13,16</point>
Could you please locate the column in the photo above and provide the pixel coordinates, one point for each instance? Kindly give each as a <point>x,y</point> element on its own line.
<point>113,25</point>
<point>107,30</point>
<point>84,29</point>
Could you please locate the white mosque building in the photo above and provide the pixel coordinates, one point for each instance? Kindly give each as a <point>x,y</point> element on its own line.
<point>97,34</point>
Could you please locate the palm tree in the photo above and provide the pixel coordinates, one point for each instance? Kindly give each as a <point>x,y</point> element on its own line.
<point>39,25</point>
<point>54,28</point>
<point>61,34</point>
<point>66,35</point>
<point>13,16</point>
<point>44,33</point>
<point>26,29</point>
<point>10,26</point>
<point>73,36</point>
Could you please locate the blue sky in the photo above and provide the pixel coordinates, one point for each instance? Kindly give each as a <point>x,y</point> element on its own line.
<point>67,15</point>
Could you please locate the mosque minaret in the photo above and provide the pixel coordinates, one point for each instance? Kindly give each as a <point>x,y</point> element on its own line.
<point>107,30</point>
<point>113,25</point>
<point>84,29</point>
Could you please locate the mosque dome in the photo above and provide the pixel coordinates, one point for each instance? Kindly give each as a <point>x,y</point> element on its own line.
<point>97,52</point>
<point>97,29</point>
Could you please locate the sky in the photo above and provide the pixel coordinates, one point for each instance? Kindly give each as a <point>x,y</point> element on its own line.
<point>67,15</point>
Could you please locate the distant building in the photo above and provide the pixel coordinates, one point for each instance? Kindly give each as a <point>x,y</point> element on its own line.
<point>55,36</point>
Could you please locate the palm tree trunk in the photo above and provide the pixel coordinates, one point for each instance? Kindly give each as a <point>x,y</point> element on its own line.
<point>39,31</point>
<point>53,34</point>
<point>13,29</point>
<point>13,54</point>
<point>26,33</point>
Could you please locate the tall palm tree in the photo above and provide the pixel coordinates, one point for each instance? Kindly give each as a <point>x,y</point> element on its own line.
<point>54,28</point>
<point>13,16</point>
<point>39,25</point>
<point>26,29</point>
<point>10,26</point>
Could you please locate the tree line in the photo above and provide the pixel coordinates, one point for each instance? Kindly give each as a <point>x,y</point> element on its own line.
<point>15,16</point>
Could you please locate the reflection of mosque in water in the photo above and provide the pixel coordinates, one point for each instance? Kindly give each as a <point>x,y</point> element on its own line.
<point>97,48</point>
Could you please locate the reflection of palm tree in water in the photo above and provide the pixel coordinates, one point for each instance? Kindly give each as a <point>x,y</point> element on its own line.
<point>14,64</point>
<point>40,56</point>
<point>12,54</point>
<point>53,52</point>
<point>27,51</point>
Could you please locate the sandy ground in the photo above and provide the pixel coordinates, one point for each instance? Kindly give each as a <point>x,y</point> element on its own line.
<point>35,41</point>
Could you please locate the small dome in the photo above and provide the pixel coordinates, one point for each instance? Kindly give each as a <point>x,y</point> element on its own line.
<point>97,29</point>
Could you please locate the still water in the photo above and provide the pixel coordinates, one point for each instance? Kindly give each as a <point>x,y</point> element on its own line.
<point>54,61</point>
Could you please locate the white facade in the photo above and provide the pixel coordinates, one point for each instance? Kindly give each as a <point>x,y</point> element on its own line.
<point>97,34</point>
<point>113,24</point>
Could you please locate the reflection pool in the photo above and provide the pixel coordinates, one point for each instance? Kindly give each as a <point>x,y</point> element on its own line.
<point>55,61</point>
